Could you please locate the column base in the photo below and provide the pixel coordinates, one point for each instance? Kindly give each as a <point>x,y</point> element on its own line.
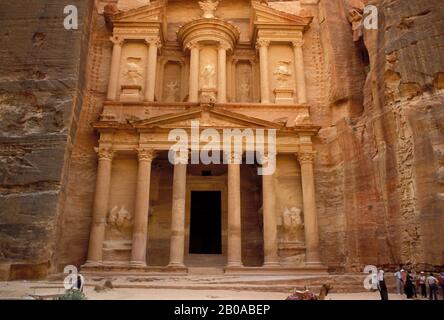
<point>314,264</point>
<point>91,263</point>
<point>137,264</point>
<point>271,264</point>
<point>234,265</point>
<point>177,267</point>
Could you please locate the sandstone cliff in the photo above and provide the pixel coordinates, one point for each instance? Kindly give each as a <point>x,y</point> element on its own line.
<point>382,165</point>
<point>41,94</point>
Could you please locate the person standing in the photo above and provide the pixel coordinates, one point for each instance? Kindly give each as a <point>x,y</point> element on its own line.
<point>441,284</point>
<point>382,285</point>
<point>399,284</point>
<point>408,286</point>
<point>414,282</point>
<point>403,276</point>
<point>422,284</point>
<point>433,286</point>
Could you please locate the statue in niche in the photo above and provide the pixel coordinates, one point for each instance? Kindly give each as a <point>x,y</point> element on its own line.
<point>282,73</point>
<point>120,219</point>
<point>133,72</point>
<point>172,89</point>
<point>208,74</point>
<point>292,223</point>
<point>209,8</point>
<point>244,91</point>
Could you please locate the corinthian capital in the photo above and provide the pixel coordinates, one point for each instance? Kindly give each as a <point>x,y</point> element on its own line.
<point>117,40</point>
<point>105,153</point>
<point>154,41</point>
<point>298,43</point>
<point>262,43</point>
<point>306,157</point>
<point>224,46</point>
<point>146,154</point>
<point>192,45</point>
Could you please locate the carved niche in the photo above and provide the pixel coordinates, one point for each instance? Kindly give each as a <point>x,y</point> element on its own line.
<point>244,82</point>
<point>132,72</point>
<point>172,84</point>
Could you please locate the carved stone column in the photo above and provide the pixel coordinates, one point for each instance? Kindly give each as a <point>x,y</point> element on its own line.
<point>177,244</point>
<point>115,68</point>
<point>222,74</point>
<point>194,72</point>
<point>234,257</point>
<point>150,86</point>
<point>263,56</point>
<point>310,217</point>
<point>300,71</point>
<point>269,216</point>
<point>140,228</point>
<point>100,210</point>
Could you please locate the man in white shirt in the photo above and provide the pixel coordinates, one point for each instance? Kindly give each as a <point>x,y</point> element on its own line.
<point>399,283</point>
<point>433,286</point>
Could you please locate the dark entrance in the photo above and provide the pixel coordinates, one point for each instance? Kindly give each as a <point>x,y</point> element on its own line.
<point>206,222</point>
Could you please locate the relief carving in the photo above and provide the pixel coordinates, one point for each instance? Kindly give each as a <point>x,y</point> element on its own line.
<point>208,74</point>
<point>120,219</point>
<point>282,73</point>
<point>208,7</point>
<point>244,92</point>
<point>172,88</point>
<point>133,72</point>
<point>292,223</point>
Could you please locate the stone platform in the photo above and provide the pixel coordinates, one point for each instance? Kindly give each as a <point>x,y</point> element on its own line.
<point>120,269</point>
<point>341,283</point>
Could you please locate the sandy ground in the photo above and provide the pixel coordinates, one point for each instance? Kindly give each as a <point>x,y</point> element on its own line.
<point>21,289</point>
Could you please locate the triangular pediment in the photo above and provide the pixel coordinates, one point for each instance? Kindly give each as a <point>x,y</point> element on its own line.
<point>152,12</point>
<point>207,118</point>
<point>263,14</point>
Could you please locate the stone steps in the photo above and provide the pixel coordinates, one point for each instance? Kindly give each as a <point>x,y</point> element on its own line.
<point>199,281</point>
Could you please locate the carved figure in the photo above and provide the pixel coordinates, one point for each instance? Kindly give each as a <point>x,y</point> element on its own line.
<point>133,73</point>
<point>208,74</point>
<point>120,219</point>
<point>292,222</point>
<point>244,91</point>
<point>282,73</point>
<point>209,8</point>
<point>172,89</point>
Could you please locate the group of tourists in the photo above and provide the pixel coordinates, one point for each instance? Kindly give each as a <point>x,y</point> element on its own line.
<point>411,283</point>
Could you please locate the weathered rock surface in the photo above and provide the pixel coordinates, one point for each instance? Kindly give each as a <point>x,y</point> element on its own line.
<point>385,163</point>
<point>41,80</point>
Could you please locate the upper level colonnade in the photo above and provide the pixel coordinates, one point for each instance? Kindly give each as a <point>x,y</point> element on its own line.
<point>208,63</point>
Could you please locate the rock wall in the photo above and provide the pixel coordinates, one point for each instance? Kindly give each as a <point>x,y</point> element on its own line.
<point>385,163</point>
<point>41,93</point>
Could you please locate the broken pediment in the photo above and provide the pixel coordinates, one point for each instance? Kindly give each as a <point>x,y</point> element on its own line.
<point>152,12</point>
<point>206,117</point>
<point>264,14</point>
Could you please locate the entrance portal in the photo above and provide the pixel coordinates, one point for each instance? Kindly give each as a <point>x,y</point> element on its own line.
<point>206,222</point>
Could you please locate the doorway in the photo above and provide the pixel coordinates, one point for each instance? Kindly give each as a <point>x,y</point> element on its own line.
<point>205,222</point>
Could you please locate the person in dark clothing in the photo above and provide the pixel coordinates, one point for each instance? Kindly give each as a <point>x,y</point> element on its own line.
<point>422,284</point>
<point>382,285</point>
<point>409,286</point>
<point>79,283</point>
